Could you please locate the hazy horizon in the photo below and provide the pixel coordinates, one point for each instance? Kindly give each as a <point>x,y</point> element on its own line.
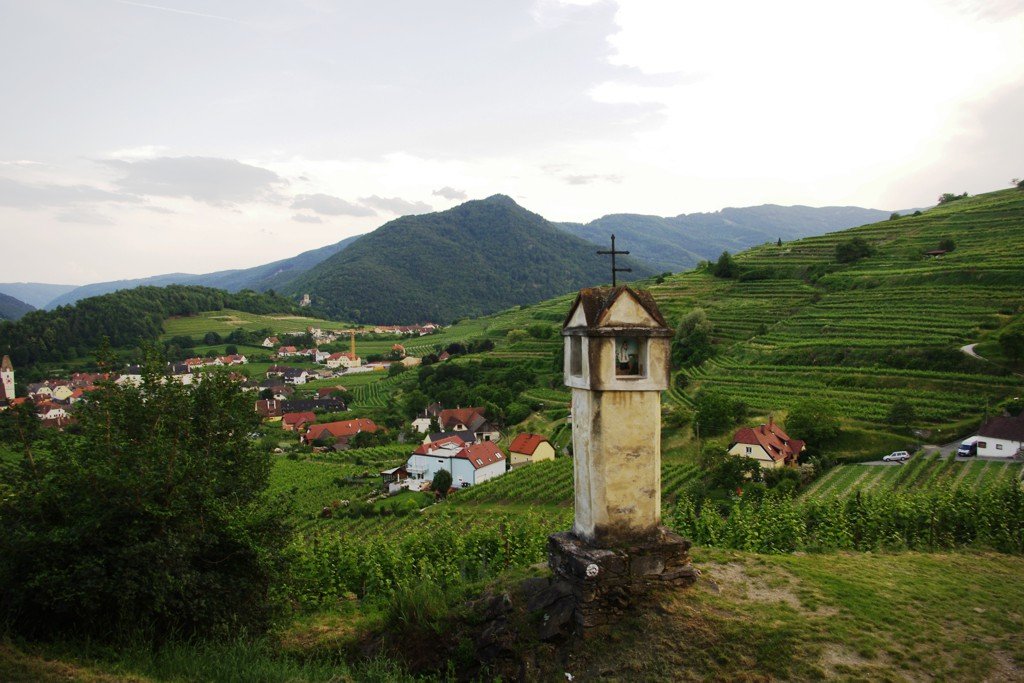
<point>144,138</point>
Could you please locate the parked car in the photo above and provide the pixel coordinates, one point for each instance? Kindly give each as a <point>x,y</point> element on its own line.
<point>969,448</point>
<point>897,456</point>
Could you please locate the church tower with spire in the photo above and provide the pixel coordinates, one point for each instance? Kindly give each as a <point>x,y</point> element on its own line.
<point>6,380</point>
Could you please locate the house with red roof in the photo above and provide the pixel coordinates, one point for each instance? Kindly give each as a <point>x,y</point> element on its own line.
<point>767,444</point>
<point>296,422</point>
<point>338,434</point>
<point>470,419</point>
<point>468,464</point>
<point>529,448</point>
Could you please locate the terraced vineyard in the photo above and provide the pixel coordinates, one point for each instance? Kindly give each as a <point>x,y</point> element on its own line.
<point>804,325</point>
<point>919,473</point>
<point>549,483</point>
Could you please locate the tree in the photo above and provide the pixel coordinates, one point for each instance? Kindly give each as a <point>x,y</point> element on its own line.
<point>779,242</point>
<point>154,520</point>
<point>441,482</point>
<point>1011,342</point>
<point>947,244</point>
<point>815,422</point>
<point>231,349</point>
<point>211,338</point>
<point>1019,183</point>
<point>901,413</point>
<point>853,250</point>
<point>947,197</point>
<point>725,267</point>
<point>894,216</point>
<point>692,343</point>
<point>713,413</point>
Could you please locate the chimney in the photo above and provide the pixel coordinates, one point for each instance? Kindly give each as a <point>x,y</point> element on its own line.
<point>771,422</point>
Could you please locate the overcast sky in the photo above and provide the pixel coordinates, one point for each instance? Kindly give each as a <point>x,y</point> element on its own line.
<point>139,138</point>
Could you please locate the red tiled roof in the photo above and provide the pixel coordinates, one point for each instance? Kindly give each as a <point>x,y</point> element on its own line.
<point>341,429</point>
<point>526,443</point>
<point>428,448</point>
<point>298,418</point>
<point>463,415</point>
<point>483,454</point>
<point>479,455</point>
<point>775,442</point>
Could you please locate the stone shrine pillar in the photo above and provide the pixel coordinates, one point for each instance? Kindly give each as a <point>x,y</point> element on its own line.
<point>617,347</point>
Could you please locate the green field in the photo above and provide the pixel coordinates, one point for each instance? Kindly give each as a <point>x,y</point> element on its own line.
<point>226,321</point>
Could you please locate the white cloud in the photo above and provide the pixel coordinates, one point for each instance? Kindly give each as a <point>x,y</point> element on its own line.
<point>396,205</point>
<point>204,179</point>
<point>450,193</point>
<point>330,206</point>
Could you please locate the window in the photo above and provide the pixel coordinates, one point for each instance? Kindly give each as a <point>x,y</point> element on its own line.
<point>629,356</point>
<point>576,356</point>
<point>982,444</point>
<point>999,446</point>
<point>749,449</point>
<point>440,461</point>
<point>479,461</point>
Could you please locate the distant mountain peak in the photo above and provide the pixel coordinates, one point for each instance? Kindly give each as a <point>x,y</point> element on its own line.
<point>502,200</point>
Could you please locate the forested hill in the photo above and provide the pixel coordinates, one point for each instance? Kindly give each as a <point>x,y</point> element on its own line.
<point>260,278</point>
<point>476,258</point>
<point>123,318</point>
<point>680,242</point>
<point>11,308</point>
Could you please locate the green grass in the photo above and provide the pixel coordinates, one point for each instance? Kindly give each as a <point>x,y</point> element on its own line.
<point>226,321</point>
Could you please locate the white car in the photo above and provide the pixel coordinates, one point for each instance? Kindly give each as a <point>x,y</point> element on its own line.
<point>896,456</point>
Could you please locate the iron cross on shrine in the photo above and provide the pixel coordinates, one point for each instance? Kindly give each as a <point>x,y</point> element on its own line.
<point>614,269</point>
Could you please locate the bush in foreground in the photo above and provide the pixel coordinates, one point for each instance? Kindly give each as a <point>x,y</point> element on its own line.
<point>152,520</point>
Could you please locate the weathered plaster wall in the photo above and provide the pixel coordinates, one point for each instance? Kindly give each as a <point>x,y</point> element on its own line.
<point>617,464</point>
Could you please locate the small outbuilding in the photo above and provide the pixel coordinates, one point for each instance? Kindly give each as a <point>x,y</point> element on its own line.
<point>529,448</point>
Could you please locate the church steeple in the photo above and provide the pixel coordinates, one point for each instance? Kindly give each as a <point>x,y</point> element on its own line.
<point>6,379</point>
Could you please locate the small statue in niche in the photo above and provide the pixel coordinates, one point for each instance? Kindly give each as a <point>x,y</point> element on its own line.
<point>627,356</point>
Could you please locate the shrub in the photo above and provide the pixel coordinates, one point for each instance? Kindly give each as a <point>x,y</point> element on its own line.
<point>947,197</point>
<point>725,267</point>
<point>853,250</point>
<point>154,519</point>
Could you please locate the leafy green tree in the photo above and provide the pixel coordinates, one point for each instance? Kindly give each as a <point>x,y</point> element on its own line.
<point>947,197</point>
<point>692,343</point>
<point>154,520</point>
<point>713,413</point>
<point>441,482</point>
<point>231,349</point>
<point>815,422</point>
<point>894,216</point>
<point>1011,342</point>
<point>947,244</point>
<point>853,250</point>
<point>901,413</point>
<point>725,267</point>
<point>211,338</point>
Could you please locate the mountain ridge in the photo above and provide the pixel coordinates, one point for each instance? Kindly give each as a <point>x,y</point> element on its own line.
<point>478,257</point>
<point>676,243</point>
<point>261,278</point>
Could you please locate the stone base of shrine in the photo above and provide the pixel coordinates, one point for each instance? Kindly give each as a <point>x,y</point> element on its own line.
<point>605,582</point>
